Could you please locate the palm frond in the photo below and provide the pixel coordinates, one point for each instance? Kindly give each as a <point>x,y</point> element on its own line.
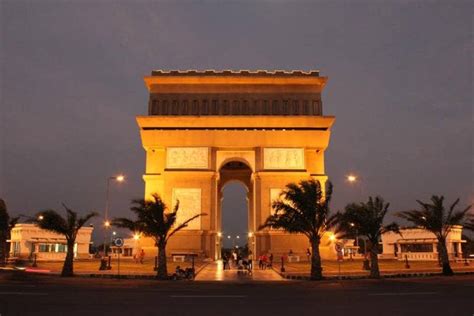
<point>184,224</point>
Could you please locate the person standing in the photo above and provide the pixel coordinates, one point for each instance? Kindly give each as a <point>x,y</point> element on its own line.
<point>270,264</point>
<point>250,259</point>
<point>225,261</point>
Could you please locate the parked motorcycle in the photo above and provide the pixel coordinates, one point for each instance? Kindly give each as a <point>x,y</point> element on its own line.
<point>180,274</point>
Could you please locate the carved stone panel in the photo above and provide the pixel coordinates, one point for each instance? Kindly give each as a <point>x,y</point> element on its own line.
<point>283,158</point>
<point>189,206</point>
<point>187,158</point>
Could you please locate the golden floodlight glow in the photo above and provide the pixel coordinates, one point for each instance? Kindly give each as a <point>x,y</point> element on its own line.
<point>219,234</point>
<point>120,178</point>
<point>250,234</point>
<point>136,236</point>
<point>40,217</point>
<point>332,237</point>
<point>107,223</point>
<point>351,178</point>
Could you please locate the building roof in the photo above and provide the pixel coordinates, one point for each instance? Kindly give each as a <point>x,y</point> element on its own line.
<point>248,73</point>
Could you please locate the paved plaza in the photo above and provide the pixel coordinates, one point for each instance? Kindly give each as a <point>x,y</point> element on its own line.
<point>215,272</point>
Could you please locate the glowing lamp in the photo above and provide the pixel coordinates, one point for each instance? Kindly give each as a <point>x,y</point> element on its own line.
<point>351,178</point>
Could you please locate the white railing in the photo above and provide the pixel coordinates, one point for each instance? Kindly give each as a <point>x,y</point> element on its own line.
<point>418,256</point>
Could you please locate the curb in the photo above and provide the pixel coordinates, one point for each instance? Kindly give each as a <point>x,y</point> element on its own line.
<point>127,276</point>
<point>359,277</point>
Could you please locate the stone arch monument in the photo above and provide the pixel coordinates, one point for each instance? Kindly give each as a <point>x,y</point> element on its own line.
<point>203,129</point>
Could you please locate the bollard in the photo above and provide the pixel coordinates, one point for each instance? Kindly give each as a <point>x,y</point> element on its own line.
<point>407,265</point>
<point>108,264</point>
<point>103,264</point>
<point>282,269</point>
<point>34,265</point>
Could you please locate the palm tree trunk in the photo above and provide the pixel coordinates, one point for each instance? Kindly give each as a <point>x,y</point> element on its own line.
<point>68,270</point>
<point>316,269</point>
<point>3,251</point>
<point>162,272</point>
<point>374,263</point>
<point>443,252</point>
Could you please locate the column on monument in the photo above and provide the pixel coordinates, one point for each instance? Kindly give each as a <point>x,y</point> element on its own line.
<point>257,192</point>
<point>215,214</point>
<point>251,216</point>
<point>153,177</point>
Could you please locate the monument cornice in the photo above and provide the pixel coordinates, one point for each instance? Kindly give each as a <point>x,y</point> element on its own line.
<point>251,122</point>
<point>163,81</point>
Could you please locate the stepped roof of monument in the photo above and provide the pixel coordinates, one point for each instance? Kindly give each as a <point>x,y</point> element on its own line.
<point>249,73</point>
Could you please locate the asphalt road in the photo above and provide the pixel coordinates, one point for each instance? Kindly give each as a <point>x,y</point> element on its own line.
<point>80,296</point>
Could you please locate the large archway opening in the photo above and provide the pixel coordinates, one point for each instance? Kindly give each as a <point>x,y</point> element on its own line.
<point>235,207</point>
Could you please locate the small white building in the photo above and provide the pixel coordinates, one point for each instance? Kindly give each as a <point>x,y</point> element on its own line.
<point>420,244</point>
<point>28,240</point>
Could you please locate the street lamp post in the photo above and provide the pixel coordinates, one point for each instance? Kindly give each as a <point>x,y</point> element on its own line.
<point>119,178</point>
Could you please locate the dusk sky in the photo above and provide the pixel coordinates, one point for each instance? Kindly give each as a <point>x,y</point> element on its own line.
<point>400,86</point>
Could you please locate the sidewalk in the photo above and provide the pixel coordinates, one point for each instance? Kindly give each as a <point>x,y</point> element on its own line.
<point>215,272</point>
<point>332,268</point>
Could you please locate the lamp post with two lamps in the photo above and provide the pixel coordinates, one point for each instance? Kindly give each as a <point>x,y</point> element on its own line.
<point>119,178</point>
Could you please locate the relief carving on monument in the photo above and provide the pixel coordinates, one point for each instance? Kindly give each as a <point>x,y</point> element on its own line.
<point>189,206</point>
<point>283,158</point>
<point>187,158</point>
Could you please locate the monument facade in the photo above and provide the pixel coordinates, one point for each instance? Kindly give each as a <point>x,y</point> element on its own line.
<point>206,129</point>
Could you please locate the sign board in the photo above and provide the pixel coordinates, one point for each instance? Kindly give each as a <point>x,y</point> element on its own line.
<point>118,242</point>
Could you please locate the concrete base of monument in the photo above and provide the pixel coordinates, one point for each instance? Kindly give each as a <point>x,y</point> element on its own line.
<point>206,245</point>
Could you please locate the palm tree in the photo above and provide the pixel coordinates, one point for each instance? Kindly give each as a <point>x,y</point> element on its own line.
<point>368,219</point>
<point>6,225</point>
<point>469,224</point>
<point>435,218</point>
<point>154,220</point>
<point>68,226</point>
<point>304,209</point>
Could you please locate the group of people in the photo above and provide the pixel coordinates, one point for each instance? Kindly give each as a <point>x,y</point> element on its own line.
<point>238,261</point>
<point>139,257</point>
<point>265,262</point>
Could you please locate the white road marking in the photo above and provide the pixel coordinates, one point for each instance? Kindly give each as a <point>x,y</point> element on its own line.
<point>402,294</point>
<point>208,296</point>
<point>22,293</point>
